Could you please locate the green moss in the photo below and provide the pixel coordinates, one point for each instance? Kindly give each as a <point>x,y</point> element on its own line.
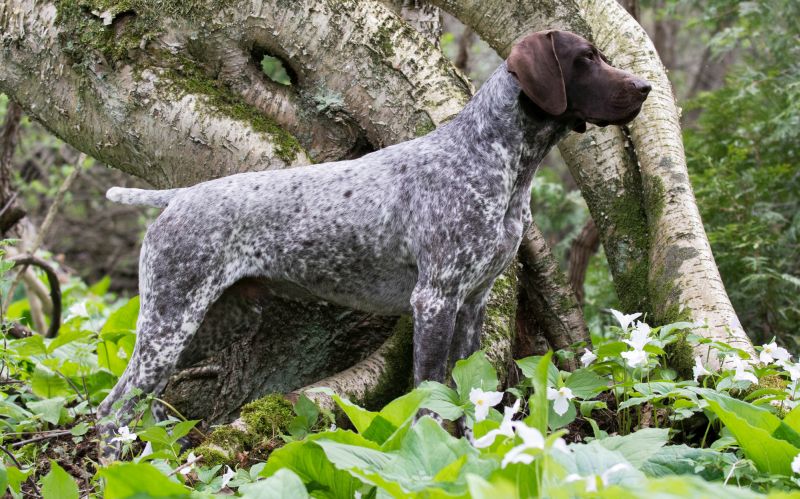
<point>268,416</point>
<point>424,126</point>
<point>396,378</point>
<point>213,455</point>
<point>84,33</point>
<point>500,321</point>
<point>185,77</point>
<point>229,437</point>
<point>680,356</point>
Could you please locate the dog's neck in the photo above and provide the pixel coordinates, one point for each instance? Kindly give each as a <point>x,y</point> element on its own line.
<point>509,136</point>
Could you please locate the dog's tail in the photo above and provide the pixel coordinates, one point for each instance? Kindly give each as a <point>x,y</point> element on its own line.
<point>124,195</point>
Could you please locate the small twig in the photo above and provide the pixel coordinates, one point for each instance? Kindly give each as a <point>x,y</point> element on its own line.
<point>184,465</point>
<point>9,454</point>
<point>8,203</point>
<point>177,413</point>
<point>72,384</point>
<point>55,288</point>
<point>38,438</point>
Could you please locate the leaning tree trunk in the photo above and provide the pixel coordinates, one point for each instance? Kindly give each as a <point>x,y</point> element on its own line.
<point>655,206</point>
<point>173,93</point>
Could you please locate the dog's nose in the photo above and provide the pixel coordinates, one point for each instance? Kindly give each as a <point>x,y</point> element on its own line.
<point>642,86</point>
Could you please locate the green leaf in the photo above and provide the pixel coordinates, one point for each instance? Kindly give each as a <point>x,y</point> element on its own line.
<point>584,383</point>
<point>474,372</point>
<point>50,410</point>
<point>429,460</point>
<point>100,288</point>
<point>16,477</point>
<point>124,318</point>
<point>766,440</point>
<point>442,400</point>
<point>684,460</point>
<point>141,480</point>
<point>793,419</point>
<point>3,477</point>
<point>58,484</point>
<point>528,367</point>
<point>308,461</point>
<point>556,421</point>
<point>637,447</point>
<point>539,405</point>
<point>47,384</point>
<point>182,429</point>
<point>284,484</point>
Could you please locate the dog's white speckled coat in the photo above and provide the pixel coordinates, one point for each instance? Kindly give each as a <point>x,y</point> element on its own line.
<point>422,227</point>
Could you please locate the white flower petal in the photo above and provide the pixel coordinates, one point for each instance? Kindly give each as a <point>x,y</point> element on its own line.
<point>635,358</point>
<point>561,406</point>
<point>624,320</point>
<point>796,464</point>
<point>588,357</point>
<point>227,476</point>
<point>531,437</point>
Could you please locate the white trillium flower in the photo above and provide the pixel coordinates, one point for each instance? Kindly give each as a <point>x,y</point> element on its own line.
<point>591,480</point>
<point>796,464</point>
<point>791,368</point>
<point>191,459</point>
<point>742,374</point>
<point>484,401</point>
<point>78,310</point>
<point>227,476</point>
<point>771,352</point>
<point>624,320</point>
<point>635,358</point>
<point>588,357</point>
<point>640,336</point>
<point>531,439</point>
<point>124,435</point>
<point>699,369</point>
<point>506,427</point>
<point>560,398</point>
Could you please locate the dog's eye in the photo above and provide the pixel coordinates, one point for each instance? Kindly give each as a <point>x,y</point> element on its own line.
<point>588,56</point>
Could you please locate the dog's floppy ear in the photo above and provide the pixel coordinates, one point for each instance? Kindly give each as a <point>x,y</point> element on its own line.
<point>534,62</point>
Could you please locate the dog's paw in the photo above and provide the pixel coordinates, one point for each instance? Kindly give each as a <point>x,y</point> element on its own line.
<point>427,412</point>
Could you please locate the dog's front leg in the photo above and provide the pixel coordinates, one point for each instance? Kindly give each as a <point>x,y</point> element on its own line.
<point>434,322</point>
<point>467,335</point>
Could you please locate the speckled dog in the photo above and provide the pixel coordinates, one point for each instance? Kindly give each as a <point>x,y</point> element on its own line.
<point>422,227</point>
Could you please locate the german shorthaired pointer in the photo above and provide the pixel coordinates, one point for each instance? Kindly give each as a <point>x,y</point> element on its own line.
<point>422,227</point>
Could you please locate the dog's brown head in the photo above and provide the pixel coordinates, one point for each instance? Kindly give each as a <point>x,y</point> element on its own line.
<point>568,78</point>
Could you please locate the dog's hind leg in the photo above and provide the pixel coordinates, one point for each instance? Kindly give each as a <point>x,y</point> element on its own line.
<point>168,320</point>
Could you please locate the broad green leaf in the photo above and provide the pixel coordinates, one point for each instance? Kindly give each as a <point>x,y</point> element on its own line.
<point>555,421</point>
<point>474,372</point>
<point>595,459</point>
<point>182,429</point>
<point>764,439</point>
<point>793,419</point>
<point>16,477</point>
<point>284,484</point>
<point>637,447</point>
<point>685,460</point>
<point>126,480</point>
<point>429,460</point>
<point>360,417</point>
<point>612,349</point>
<point>68,336</point>
<point>50,410</point>
<point>124,318</point>
<point>442,400</point>
<point>30,346</point>
<point>47,384</point>
<point>100,287</point>
<point>498,488</point>
<point>584,383</point>
<point>528,367</point>
<point>58,484</point>
<point>156,435</point>
<point>307,459</point>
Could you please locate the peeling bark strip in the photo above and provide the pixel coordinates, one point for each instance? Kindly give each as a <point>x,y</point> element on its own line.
<point>583,247</point>
<point>682,279</point>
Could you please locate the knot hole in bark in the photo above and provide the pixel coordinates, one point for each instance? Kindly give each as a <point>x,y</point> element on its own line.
<point>274,67</point>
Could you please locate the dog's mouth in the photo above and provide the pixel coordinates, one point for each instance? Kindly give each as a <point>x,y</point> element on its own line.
<point>624,120</point>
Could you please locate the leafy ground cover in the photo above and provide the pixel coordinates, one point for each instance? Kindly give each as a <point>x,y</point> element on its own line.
<point>624,424</point>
